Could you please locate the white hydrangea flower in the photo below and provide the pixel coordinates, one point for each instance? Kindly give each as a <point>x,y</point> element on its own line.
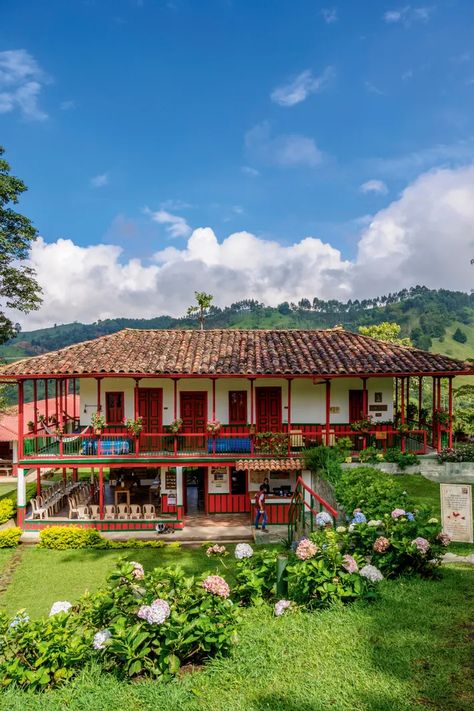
<point>433,520</point>
<point>59,606</point>
<point>243,550</point>
<point>100,639</point>
<point>371,573</point>
<point>351,528</point>
<point>281,606</point>
<point>341,529</point>
<point>323,518</point>
<point>374,522</point>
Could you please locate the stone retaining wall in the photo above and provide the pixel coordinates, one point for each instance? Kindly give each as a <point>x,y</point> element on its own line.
<point>448,472</point>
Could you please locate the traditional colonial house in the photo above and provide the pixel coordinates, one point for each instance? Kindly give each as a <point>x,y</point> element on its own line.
<point>169,424</point>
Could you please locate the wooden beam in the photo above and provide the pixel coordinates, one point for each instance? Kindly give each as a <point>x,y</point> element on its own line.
<point>328,411</point>
<point>21,400</point>
<point>450,410</point>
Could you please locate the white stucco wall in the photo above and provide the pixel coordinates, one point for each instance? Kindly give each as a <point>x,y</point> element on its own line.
<point>308,403</point>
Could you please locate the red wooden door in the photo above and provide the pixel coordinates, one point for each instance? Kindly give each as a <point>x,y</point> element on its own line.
<point>356,405</point>
<point>193,408</point>
<point>268,402</point>
<point>150,407</point>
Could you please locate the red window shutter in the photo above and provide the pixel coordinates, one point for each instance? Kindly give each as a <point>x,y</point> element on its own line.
<point>114,408</point>
<point>237,407</point>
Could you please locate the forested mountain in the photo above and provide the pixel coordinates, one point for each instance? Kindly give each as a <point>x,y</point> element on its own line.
<point>438,320</point>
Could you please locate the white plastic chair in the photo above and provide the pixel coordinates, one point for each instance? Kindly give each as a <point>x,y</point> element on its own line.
<point>94,512</point>
<point>82,512</point>
<point>148,511</point>
<point>135,511</point>
<point>122,511</point>
<point>109,511</point>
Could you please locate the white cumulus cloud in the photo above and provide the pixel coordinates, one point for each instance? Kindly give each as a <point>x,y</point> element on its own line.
<point>21,81</point>
<point>176,226</point>
<point>329,15</point>
<point>426,236</point>
<point>299,88</point>
<point>374,186</point>
<point>99,181</point>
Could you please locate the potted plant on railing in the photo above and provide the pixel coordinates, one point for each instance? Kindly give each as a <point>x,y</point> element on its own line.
<point>442,418</point>
<point>363,426</point>
<point>31,426</point>
<point>134,427</point>
<point>98,423</point>
<point>272,443</point>
<point>213,427</point>
<point>175,426</point>
<point>59,431</point>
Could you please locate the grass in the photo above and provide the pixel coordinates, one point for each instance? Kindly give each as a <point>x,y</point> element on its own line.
<point>65,575</point>
<point>410,650</point>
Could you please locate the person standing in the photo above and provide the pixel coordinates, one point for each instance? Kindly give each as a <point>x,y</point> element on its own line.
<point>260,508</point>
<point>266,484</point>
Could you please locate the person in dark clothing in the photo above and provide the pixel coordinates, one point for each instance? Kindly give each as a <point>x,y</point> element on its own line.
<point>260,508</point>
<point>266,484</point>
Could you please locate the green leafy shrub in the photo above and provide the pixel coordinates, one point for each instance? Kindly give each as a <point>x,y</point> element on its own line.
<point>139,625</point>
<point>64,537</point>
<point>10,537</point>
<point>325,462</point>
<point>397,544</point>
<point>256,577</point>
<point>369,489</point>
<point>326,576</point>
<point>402,459</point>
<point>370,455</point>
<point>7,509</point>
<point>459,454</point>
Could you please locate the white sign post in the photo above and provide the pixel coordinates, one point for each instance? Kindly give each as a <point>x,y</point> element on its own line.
<point>456,511</point>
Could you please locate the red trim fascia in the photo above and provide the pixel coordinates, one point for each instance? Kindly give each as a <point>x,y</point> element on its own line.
<point>405,374</point>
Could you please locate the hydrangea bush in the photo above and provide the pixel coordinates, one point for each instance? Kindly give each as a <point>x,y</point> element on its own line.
<point>139,625</point>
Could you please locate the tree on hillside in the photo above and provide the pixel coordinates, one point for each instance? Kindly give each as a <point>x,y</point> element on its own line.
<point>385,331</point>
<point>18,287</point>
<point>201,309</point>
<point>459,336</point>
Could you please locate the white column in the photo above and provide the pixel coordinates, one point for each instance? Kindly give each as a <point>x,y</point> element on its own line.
<point>21,488</point>
<point>179,486</point>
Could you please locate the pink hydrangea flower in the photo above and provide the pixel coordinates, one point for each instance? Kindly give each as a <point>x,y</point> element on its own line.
<point>397,513</point>
<point>216,549</point>
<point>281,606</point>
<point>444,538</point>
<point>156,613</point>
<point>349,564</point>
<point>421,544</point>
<point>138,571</point>
<point>306,549</point>
<point>381,544</point>
<point>216,585</point>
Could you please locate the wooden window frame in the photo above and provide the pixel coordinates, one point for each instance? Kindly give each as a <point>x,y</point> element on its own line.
<point>233,421</point>
<point>108,408</point>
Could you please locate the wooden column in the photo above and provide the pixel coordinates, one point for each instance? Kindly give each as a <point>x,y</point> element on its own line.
<point>101,492</point>
<point>175,398</point>
<point>328,411</point>
<point>35,406</point>
<point>60,403</point>
<point>99,406</point>
<point>21,402</point>
<point>252,401</point>
<point>420,398</point>
<point>402,411</point>
<point>38,481</point>
<point>365,399</point>
<point>396,398</point>
<point>290,380</point>
<point>433,416</point>
<point>213,398</point>
<point>46,403</point>
<point>135,398</point>
<point>450,411</point>
<point>407,403</point>
<point>56,400</point>
<point>74,398</point>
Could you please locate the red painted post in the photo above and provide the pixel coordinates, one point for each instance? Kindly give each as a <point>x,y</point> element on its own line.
<point>35,406</point>
<point>38,481</point>
<point>420,398</point>
<point>56,400</point>
<point>64,475</point>
<point>289,414</point>
<point>328,411</point>
<point>408,398</point>
<point>433,425</point>
<point>99,406</point>
<point>46,403</point>
<point>213,398</point>
<point>74,398</point>
<point>450,410</point>
<point>402,411</point>
<point>21,400</point>
<point>396,398</point>
<point>252,415</point>
<point>101,492</point>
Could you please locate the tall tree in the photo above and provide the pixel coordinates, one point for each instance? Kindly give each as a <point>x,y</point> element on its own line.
<point>202,307</point>
<point>385,331</point>
<point>18,287</point>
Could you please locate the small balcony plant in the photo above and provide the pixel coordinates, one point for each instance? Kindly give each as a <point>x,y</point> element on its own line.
<point>31,426</point>
<point>134,426</point>
<point>213,427</point>
<point>175,426</point>
<point>98,422</point>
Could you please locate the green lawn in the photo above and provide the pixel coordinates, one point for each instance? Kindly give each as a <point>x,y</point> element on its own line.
<point>410,650</point>
<point>65,575</point>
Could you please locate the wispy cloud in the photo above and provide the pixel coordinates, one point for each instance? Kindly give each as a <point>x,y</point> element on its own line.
<point>441,155</point>
<point>175,225</point>
<point>374,186</point>
<point>329,15</point>
<point>299,88</point>
<point>99,181</point>
<point>67,105</point>
<point>408,15</point>
<point>373,89</point>
<point>248,170</point>
<point>21,81</point>
<point>287,150</point>
<point>462,58</point>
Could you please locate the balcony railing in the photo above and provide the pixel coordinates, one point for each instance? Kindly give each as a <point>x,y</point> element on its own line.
<point>224,444</point>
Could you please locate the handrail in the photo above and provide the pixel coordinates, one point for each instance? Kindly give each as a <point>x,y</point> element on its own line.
<point>296,510</point>
<point>316,496</point>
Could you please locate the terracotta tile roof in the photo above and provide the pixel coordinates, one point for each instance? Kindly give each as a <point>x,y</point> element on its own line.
<point>239,352</point>
<point>269,464</point>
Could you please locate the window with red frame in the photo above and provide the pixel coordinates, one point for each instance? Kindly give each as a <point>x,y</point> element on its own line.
<point>114,410</point>
<point>237,407</point>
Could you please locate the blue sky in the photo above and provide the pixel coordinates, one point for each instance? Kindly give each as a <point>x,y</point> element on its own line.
<point>134,123</point>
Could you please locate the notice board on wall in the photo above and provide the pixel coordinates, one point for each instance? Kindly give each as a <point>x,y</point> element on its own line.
<point>456,511</point>
<point>170,480</point>
<point>218,480</point>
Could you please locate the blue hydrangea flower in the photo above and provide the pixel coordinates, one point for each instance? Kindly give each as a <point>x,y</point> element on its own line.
<point>410,516</point>
<point>359,517</point>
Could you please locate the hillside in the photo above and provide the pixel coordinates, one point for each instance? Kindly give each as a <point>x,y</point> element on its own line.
<point>429,317</point>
